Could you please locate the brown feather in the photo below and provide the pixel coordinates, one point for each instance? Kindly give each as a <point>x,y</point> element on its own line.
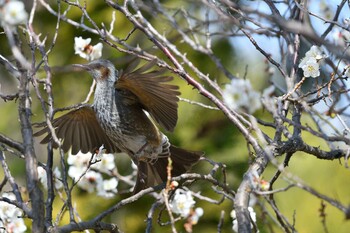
<point>150,90</point>
<point>80,131</point>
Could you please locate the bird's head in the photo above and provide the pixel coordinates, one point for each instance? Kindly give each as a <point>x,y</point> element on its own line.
<point>101,70</point>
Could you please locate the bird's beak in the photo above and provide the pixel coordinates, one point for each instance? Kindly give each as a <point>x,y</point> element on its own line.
<point>81,67</point>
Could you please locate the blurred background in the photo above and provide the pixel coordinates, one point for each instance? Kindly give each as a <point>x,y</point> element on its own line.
<point>198,128</point>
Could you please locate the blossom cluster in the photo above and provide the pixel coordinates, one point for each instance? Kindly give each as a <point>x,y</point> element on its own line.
<point>310,64</point>
<point>10,216</point>
<point>13,13</point>
<point>240,95</point>
<point>87,51</point>
<point>183,203</point>
<point>88,169</point>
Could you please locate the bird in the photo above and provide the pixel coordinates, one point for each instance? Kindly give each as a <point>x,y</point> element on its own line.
<point>127,110</point>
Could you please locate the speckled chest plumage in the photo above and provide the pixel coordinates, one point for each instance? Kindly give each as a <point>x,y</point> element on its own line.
<point>126,125</point>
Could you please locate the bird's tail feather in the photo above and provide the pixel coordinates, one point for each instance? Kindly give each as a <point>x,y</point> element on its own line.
<point>153,174</point>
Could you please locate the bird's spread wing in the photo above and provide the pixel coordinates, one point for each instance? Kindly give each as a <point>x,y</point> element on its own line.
<point>152,93</point>
<point>80,131</point>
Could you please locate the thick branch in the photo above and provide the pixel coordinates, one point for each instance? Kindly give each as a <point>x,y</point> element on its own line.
<point>244,190</point>
<point>35,194</point>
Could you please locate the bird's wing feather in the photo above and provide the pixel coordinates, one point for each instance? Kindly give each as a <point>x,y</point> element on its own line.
<point>152,93</point>
<point>80,131</point>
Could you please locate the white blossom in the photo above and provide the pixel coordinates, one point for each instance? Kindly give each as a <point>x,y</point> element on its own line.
<point>13,13</point>
<point>96,51</point>
<point>80,44</point>
<point>98,155</point>
<point>10,216</point>
<point>85,50</point>
<point>42,176</point>
<point>235,222</point>
<point>16,225</point>
<point>310,63</point>
<point>80,159</point>
<point>105,164</point>
<point>198,212</point>
<point>311,68</point>
<point>91,181</point>
<point>7,210</point>
<point>79,164</point>
<point>182,203</point>
<point>76,172</point>
<point>315,52</point>
<point>108,188</point>
<point>239,95</point>
<point>57,178</point>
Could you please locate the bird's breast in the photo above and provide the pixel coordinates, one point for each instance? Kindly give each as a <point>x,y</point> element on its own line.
<point>129,128</point>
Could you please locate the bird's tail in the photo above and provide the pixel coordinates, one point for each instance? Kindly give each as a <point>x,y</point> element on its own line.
<point>153,174</point>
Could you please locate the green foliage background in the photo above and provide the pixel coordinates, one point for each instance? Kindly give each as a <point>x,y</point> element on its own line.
<point>197,129</point>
